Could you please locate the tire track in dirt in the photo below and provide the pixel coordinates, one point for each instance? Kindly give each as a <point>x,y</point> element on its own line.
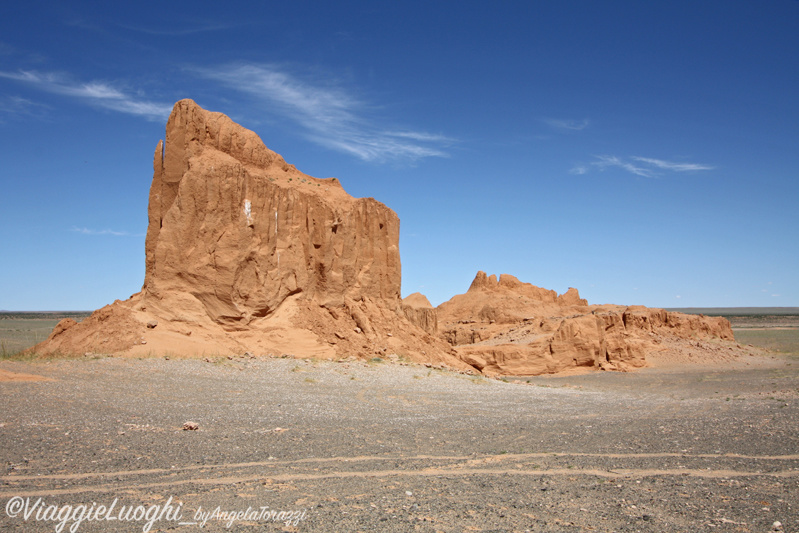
<point>453,466</point>
<point>470,458</point>
<point>435,472</point>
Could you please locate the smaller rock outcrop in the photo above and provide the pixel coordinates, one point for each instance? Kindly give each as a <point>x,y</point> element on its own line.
<point>507,327</point>
<point>418,310</point>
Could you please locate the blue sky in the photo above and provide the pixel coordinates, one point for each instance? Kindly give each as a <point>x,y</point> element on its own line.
<point>643,152</point>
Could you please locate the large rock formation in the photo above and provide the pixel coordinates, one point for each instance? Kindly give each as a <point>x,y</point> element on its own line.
<point>246,253</point>
<point>506,327</point>
<point>237,228</point>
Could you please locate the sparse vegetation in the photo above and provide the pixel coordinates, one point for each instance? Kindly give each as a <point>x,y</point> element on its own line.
<point>772,328</point>
<point>779,340</point>
<point>21,330</point>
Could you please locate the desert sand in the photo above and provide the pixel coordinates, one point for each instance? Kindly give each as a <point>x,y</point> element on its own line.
<point>402,447</point>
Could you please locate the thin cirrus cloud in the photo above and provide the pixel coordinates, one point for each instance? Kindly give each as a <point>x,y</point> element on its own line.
<point>579,170</point>
<point>668,165</point>
<point>605,161</point>
<point>87,231</point>
<point>96,93</point>
<point>646,167</point>
<point>329,115</point>
<point>567,125</point>
<point>16,105</point>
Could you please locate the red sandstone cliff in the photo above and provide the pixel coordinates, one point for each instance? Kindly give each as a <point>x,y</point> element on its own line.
<point>244,253</point>
<point>419,311</point>
<point>237,228</point>
<point>508,327</point>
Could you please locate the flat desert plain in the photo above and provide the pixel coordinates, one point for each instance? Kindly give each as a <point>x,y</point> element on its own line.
<point>306,445</point>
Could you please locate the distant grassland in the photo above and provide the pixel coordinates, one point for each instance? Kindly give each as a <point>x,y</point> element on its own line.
<point>778,340</point>
<point>750,317</point>
<point>20,330</point>
<point>737,311</point>
<point>772,328</point>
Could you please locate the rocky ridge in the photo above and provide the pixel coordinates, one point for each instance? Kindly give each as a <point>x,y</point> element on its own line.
<point>506,327</point>
<point>246,254</point>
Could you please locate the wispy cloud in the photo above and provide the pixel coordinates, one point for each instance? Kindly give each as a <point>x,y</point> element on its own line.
<point>605,161</point>
<point>646,167</point>
<point>567,125</point>
<point>418,136</point>
<point>87,231</point>
<point>18,106</point>
<point>329,115</point>
<point>579,170</point>
<point>96,93</point>
<point>677,167</point>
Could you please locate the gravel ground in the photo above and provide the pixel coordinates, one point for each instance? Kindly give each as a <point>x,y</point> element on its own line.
<point>386,447</point>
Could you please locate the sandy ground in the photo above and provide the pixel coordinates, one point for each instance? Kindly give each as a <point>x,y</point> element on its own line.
<point>384,447</point>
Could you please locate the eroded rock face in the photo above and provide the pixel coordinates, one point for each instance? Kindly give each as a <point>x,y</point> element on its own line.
<point>244,253</point>
<point>504,326</point>
<point>236,227</point>
<point>419,311</point>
